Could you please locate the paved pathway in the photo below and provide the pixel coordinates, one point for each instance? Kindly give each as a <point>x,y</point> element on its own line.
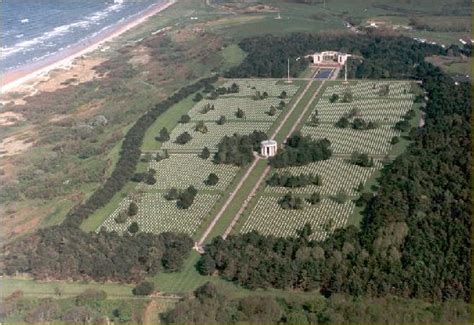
<point>249,170</point>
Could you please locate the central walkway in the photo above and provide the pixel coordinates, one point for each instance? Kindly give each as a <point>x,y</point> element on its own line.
<point>252,167</point>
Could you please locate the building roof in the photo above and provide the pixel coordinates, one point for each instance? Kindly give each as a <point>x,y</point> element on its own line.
<point>269,143</point>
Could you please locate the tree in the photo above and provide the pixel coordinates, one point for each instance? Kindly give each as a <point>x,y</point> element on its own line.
<point>240,113</point>
<point>314,198</point>
<point>150,179</point>
<point>132,209</point>
<point>183,138</point>
<point>197,98</point>
<point>133,228</point>
<point>360,187</point>
<point>314,120</point>
<point>184,119</point>
<point>211,180</point>
<point>272,111</point>
<point>281,105</point>
<point>347,96</point>
<point>394,140</point>
<point>291,202</point>
<point>342,123</point>
<point>201,127</point>
<point>144,288</point>
<point>361,159</point>
<point>122,217</point>
<point>341,197</point>
<point>334,98</point>
<point>221,120</point>
<point>283,95</point>
<point>172,194</point>
<point>164,135</point>
<point>205,153</point>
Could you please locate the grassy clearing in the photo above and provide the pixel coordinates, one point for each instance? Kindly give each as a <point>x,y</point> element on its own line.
<point>52,288</point>
<point>169,119</point>
<point>232,56</point>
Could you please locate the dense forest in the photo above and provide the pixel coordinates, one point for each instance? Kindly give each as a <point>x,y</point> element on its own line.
<point>210,304</point>
<point>414,240</point>
<point>69,253</point>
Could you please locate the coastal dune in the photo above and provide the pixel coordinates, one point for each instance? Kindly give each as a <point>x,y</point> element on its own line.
<point>14,79</point>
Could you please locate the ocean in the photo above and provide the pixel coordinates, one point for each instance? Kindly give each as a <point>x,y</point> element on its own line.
<point>34,30</point>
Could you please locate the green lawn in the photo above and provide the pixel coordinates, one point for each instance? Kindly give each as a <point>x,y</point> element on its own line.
<point>44,289</point>
<point>232,56</point>
<point>168,119</point>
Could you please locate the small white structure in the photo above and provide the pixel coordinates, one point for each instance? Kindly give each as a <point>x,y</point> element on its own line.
<point>268,148</point>
<point>329,58</point>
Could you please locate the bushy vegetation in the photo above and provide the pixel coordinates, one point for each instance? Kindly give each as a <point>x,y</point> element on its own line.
<point>210,304</point>
<point>62,252</point>
<point>301,150</point>
<point>293,181</point>
<point>238,149</point>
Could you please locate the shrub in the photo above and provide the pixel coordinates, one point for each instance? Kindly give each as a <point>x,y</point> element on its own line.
<point>133,228</point>
<point>184,119</point>
<point>183,138</point>
<point>132,209</point>
<point>205,153</point>
<point>144,288</point>
<point>211,180</point>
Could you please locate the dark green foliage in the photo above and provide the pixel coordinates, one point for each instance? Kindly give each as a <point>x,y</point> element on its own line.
<point>341,197</point>
<point>133,228</point>
<point>132,209</point>
<point>205,153</point>
<point>259,95</point>
<point>334,98</point>
<point>150,179</point>
<point>402,126</point>
<point>314,198</point>
<point>129,155</point>
<point>361,124</point>
<point>291,201</point>
<point>211,304</point>
<point>183,138</point>
<point>238,149</point>
<point>197,98</point>
<point>90,297</point>
<point>281,105</point>
<point>122,217</point>
<point>384,90</point>
<point>172,194</point>
<point>342,123</point>
<point>208,107</point>
<point>272,111</point>
<point>144,288</point>
<point>68,253</point>
<point>221,120</point>
<point>211,180</point>
<point>301,150</point>
<point>395,140</point>
<point>240,113</point>
<point>201,127</point>
<point>184,119</point>
<point>294,181</point>
<point>347,96</point>
<point>361,159</point>
<point>283,95</point>
<point>164,135</point>
<point>314,120</point>
<point>186,198</point>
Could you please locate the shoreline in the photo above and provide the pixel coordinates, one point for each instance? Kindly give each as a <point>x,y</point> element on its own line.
<point>12,79</point>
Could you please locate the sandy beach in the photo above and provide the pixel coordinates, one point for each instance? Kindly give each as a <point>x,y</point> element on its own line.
<point>11,80</point>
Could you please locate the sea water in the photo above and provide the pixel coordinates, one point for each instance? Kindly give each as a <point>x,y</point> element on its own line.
<point>33,30</point>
